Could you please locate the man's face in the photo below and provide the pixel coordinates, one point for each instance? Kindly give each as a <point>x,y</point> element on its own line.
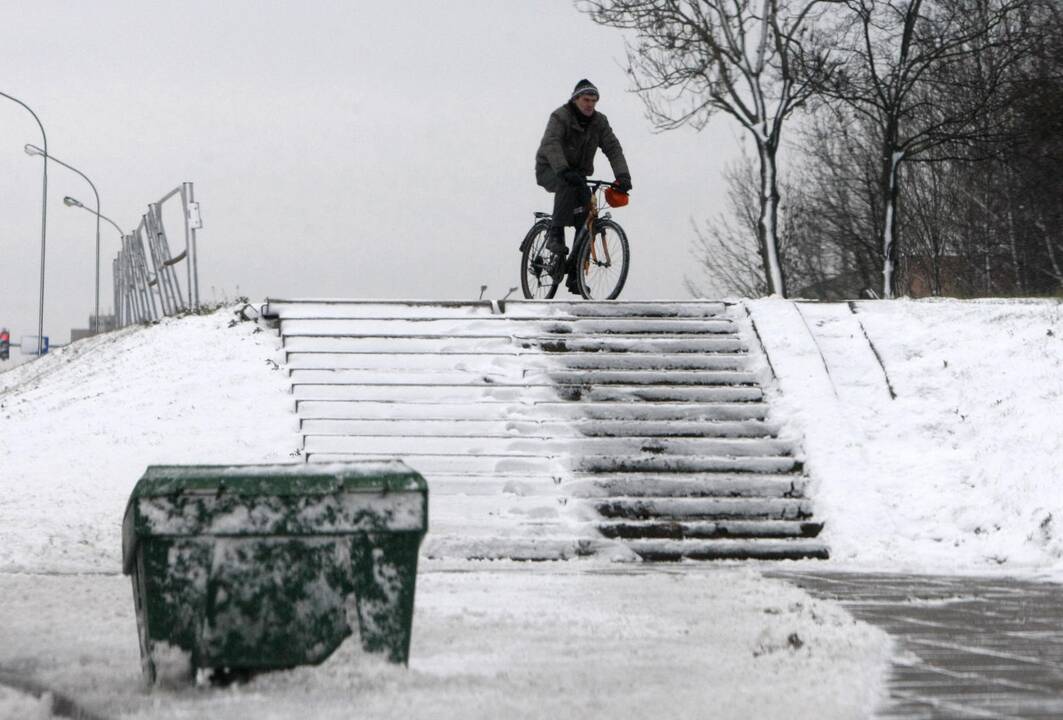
<point>586,104</point>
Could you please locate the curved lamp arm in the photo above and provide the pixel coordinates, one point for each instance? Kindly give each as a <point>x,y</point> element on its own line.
<point>44,221</point>
<point>74,202</point>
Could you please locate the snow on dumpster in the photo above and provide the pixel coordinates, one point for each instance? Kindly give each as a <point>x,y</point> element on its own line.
<point>243,568</point>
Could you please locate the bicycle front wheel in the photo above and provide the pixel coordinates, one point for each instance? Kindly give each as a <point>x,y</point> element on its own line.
<point>603,262</point>
<point>536,263</point>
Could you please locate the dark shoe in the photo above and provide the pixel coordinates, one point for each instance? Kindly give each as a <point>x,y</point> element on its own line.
<point>572,283</point>
<point>555,241</point>
<point>554,266</point>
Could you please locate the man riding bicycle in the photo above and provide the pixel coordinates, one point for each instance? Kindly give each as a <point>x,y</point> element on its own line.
<point>565,159</point>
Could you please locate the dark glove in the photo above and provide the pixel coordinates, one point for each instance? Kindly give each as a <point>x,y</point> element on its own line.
<point>623,183</point>
<point>573,177</point>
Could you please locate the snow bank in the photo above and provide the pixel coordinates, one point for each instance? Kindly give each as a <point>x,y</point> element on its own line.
<point>963,470</point>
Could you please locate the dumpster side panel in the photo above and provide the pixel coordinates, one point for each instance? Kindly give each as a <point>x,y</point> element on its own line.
<point>174,580</point>
<point>385,579</point>
<point>276,602</point>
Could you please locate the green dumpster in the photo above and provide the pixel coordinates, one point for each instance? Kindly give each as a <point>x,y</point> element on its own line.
<point>254,567</point>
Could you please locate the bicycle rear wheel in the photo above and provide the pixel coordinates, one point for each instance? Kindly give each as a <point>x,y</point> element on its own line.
<point>535,265</point>
<point>603,262</point>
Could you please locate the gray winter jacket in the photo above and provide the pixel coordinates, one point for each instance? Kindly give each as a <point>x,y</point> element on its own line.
<point>567,144</point>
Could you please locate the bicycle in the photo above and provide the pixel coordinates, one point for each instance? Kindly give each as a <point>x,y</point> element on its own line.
<point>600,255</point>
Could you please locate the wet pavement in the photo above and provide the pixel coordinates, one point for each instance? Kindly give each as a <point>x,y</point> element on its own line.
<point>967,647</point>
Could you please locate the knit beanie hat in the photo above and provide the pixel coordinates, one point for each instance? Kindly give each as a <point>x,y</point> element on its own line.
<point>584,87</point>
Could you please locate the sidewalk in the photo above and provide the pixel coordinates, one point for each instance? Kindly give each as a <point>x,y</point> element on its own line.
<point>968,647</point>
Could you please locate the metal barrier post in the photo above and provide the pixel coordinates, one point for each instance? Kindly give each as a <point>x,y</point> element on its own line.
<point>193,222</point>
<point>168,278</point>
<point>144,283</point>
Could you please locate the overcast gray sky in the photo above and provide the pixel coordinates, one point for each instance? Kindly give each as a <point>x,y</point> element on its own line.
<point>338,149</point>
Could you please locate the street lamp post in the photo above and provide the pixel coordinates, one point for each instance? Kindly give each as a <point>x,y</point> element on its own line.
<point>34,150</point>
<point>73,202</point>
<point>44,222</point>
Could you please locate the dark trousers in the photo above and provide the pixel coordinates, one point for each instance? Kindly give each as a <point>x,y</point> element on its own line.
<point>569,206</point>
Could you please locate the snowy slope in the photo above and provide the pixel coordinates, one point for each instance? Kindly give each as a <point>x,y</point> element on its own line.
<point>963,470</point>
<point>78,427</point>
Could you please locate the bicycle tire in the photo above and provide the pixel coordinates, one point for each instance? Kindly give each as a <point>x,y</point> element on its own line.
<point>531,265</point>
<point>603,279</point>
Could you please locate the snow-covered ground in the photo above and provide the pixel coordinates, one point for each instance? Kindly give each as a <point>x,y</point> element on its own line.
<point>958,473</point>
<point>79,426</point>
<point>963,470</point>
<point>494,640</point>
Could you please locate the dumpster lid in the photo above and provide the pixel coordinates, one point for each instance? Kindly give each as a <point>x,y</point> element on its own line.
<point>279,479</point>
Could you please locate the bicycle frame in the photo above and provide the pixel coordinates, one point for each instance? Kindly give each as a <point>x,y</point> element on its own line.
<point>587,229</point>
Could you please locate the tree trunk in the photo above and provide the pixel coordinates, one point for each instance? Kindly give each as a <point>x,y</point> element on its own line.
<point>1057,273</point>
<point>890,163</point>
<point>767,222</point>
<point>1013,243</point>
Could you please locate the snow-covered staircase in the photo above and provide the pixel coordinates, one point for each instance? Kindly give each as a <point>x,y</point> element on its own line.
<point>552,429</point>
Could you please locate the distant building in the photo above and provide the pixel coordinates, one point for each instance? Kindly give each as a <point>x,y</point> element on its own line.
<point>107,323</point>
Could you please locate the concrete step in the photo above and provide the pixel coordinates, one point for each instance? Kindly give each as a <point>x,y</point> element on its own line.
<point>708,529</point>
<point>693,485</point>
<point>351,308</point>
<point>555,409</point>
<point>682,464</point>
<point>492,485</point>
<point>549,447</point>
<point>729,549</point>
<point>549,309</point>
<point>528,549</point>
<point>517,361</point>
<point>501,326</point>
<point>514,375</point>
<point>535,513</point>
<point>397,374</point>
<point>591,308</point>
<point>673,509</point>
<point>518,394</point>
<point>528,429</point>
<point>643,361</point>
<point>652,377</point>
<point>501,345</point>
<point>563,465</point>
<point>496,466</point>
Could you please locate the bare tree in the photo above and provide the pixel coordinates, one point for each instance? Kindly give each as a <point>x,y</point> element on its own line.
<point>910,73</point>
<point>726,248</point>
<point>837,190</point>
<point>754,60</point>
